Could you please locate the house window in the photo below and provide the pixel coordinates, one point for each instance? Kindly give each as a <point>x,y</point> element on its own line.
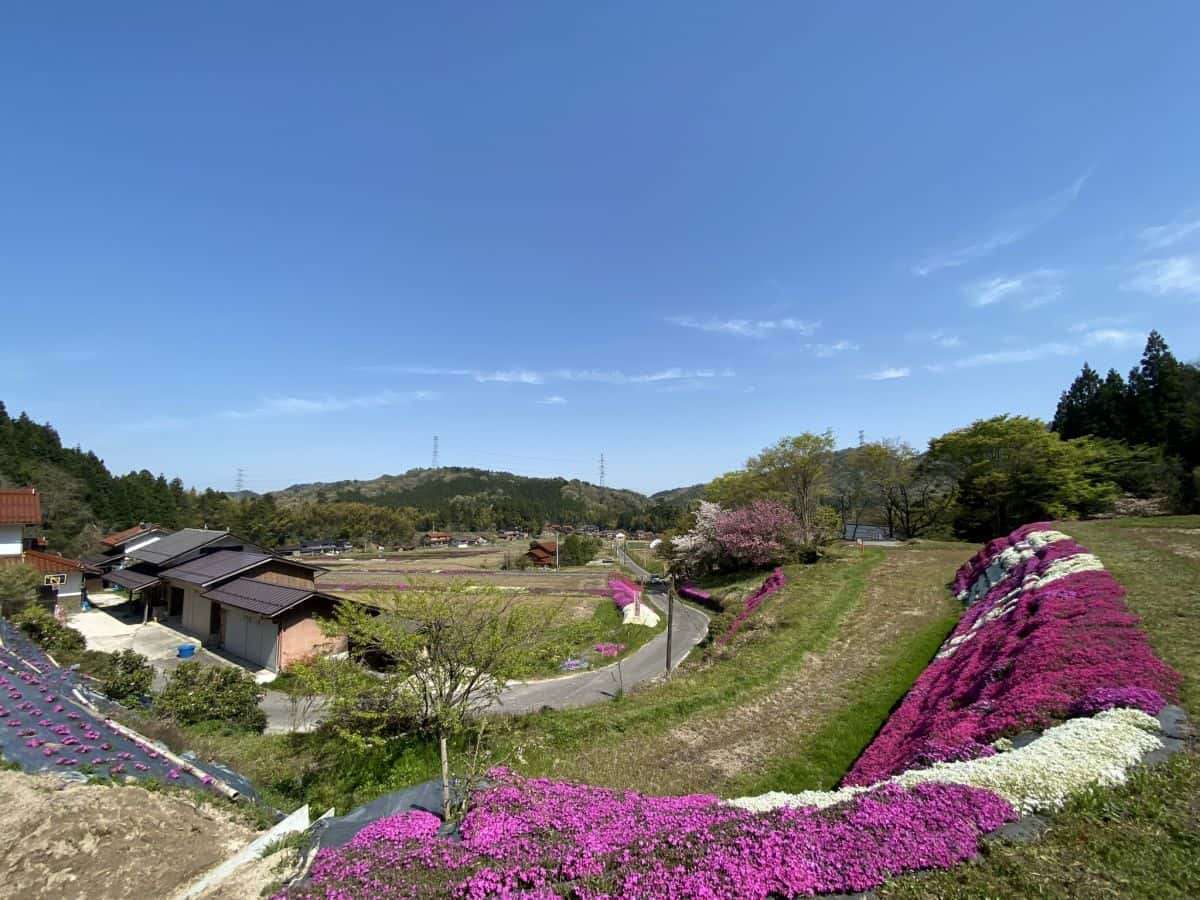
<point>55,580</point>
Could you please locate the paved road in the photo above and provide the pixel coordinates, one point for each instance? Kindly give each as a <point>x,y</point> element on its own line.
<point>586,688</point>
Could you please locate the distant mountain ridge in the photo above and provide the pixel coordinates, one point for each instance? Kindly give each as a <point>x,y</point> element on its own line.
<point>486,498</point>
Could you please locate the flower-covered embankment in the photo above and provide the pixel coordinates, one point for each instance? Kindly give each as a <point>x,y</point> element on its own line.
<point>541,838</point>
<point>770,586</point>
<point>628,598</point>
<point>1046,636</point>
<point>1038,777</point>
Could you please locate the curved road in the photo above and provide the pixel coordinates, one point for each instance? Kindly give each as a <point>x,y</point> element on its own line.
<point>586,688</point>
<point>564,691</point>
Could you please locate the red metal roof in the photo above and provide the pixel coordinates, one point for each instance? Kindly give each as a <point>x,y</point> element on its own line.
<point>46,563</point>
<point>20,507</point>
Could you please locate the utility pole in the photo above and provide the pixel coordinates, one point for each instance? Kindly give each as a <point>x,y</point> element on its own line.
<point>241,480</point>
<point>670,618</point>
<point>556,543</point>
<point>601,470</point>
<point>435,451</point>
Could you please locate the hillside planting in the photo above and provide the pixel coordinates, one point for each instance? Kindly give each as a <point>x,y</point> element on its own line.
<point>1045,643</point>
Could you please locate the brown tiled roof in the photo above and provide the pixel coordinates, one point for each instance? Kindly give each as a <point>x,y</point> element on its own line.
<point>20,507</point>
<point>120,537</point>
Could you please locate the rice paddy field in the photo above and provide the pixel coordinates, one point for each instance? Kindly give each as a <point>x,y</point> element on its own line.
<point>579,597</point>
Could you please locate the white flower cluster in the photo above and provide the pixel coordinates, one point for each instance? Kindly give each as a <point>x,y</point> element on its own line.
<point>1038,777</point>
<point>1060,568</point>
<point>1006,560</point>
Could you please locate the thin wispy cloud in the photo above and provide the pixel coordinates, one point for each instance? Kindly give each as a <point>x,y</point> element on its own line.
<point>1176,275</point>
<point>889,374</point>
<point>533,376</point>
<point>553,400</point>
<point>751,328</point>
<point>1013,227</point>
<point>824,351</point>
<point>1114,337</point>
<point>1158,237</point>
<point>270,407</point>
<point>1028,289</point>
<point>1006,357</point>
<point>1097,323</point>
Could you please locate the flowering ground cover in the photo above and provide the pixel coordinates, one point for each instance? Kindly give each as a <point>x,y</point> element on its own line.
<point>541,838</point>
<point>770,586</point>
<point>1046,629</point>
<point>43,726</point>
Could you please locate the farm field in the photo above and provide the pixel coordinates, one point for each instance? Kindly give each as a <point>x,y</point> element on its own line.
<point>578,597</point>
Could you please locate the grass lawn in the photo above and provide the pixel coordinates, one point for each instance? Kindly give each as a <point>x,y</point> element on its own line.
<point>1142,840</point>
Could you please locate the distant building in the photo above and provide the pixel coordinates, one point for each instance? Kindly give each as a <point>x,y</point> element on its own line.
<point>436,539</point>
<point>543,554</point>
<point>21,509</point>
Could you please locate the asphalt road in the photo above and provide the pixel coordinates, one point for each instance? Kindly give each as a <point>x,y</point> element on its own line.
<point>586,688</point>
<point>565,691</point>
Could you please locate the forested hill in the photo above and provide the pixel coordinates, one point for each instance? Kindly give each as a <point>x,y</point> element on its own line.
<point>479,499</point>
<point>80,498</point>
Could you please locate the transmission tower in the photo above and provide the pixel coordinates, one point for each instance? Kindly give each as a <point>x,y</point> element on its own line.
<point>435,451</point>
<point>601,470</point>
<point>241,479</point>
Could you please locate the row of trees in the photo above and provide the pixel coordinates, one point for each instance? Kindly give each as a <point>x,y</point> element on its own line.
<point>1156,407</point>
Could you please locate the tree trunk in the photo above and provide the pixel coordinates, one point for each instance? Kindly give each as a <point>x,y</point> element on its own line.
<point>445,778</point>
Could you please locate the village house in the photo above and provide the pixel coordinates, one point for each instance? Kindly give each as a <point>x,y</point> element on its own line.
<point>233,596</point>
<point>543,554</point>
<point>21,509</point>
<point>436,539</point>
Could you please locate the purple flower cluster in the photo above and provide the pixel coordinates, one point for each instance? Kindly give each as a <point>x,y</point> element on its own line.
<point>692,592</point>
<point>773,583</point>
<point>624,592</point>
<point>1024,656</point>
<point>45,720</point>
<point>609,650</point>
<point>541,838</point>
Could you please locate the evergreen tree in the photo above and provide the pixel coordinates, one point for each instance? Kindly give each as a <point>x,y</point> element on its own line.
<point>1078,406</point>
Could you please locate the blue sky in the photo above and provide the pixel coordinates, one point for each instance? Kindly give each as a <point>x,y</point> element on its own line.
<point>302,239</point>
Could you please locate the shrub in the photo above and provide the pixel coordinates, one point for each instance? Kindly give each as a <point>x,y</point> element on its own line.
<point>18,587</point>
<point>127,676</point>
<point>47,632</point>
<point>223,694</point>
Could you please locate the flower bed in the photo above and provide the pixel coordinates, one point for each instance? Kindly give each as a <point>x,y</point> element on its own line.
<point>1046,630</point>
<point>771,585</point>
<point>1038,777</point>
<point>627,596</point>
<point>540,838</point>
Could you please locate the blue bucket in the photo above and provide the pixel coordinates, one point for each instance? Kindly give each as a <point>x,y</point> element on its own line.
<point>187,651</point>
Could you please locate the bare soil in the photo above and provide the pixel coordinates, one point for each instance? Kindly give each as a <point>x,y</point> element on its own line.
<point>61,839</point>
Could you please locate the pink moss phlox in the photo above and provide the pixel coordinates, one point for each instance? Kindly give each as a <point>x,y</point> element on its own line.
<point>1023,668</point>
<point>1100,699</point>
<point>541,838</point>
<point>771,585</point>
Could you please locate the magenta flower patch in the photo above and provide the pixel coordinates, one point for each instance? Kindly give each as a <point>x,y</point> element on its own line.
<point>542,838</point>
<point>1051,638</point>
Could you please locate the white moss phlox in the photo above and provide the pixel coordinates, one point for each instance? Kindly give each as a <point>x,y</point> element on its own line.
<point>1039,777</point>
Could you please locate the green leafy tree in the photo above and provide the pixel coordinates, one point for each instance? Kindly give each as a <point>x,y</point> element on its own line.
<point>47,632</point>
<point>127,676</point>
<point>578,549</point>
<point>227,695</point>
<point>447,653</point>
<point>1012,469</point>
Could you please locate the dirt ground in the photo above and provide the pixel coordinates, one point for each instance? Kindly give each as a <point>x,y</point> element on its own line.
<point>61,839</point>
